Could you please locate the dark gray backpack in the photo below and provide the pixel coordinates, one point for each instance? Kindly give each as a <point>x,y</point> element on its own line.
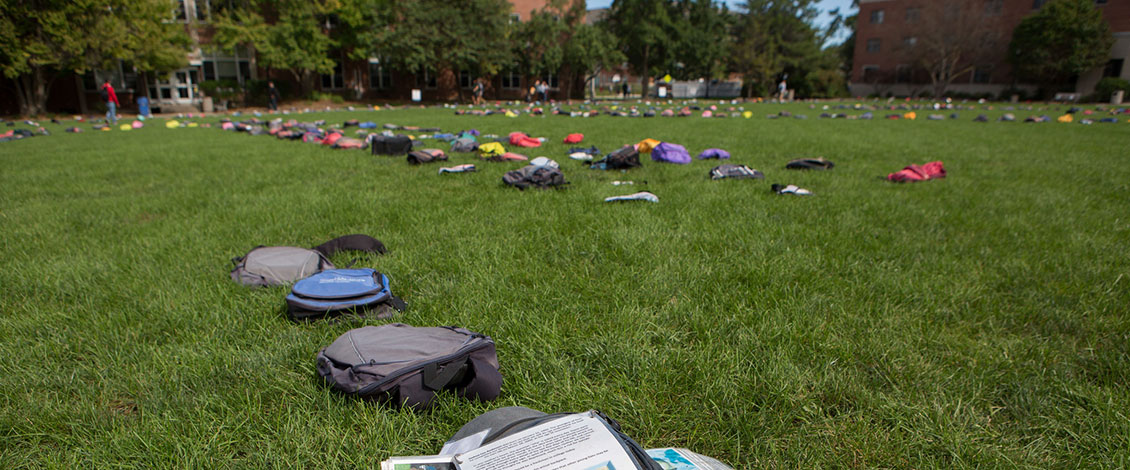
<point>278,265</point>
<point>534,176</point>
<point>406,365</point>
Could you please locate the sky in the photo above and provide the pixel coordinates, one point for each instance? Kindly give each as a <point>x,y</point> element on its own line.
<point>824,5</point>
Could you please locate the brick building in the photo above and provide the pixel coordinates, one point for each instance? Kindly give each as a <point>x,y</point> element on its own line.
<point>886,28</point>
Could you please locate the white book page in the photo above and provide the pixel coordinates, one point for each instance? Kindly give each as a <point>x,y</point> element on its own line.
<point>575,442</point>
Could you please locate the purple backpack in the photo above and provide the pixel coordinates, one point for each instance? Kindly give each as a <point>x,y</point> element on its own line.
<point>670,153</point>
<point>714,153</point>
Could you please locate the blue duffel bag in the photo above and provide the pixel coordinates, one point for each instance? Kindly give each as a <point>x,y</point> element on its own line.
<point>336,291</point>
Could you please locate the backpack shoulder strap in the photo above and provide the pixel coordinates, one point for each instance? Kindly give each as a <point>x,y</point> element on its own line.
<point>357,242</point>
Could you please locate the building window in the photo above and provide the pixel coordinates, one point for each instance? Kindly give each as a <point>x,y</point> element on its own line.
<point>216,66</point>
<point>426,78</point>
<point>993,7</point>
<point>909,41</point>
<point>464,79</point>
<point>379,76</point>
<point>1038,3</point>
<point>912,14</point>
<point>870,73</point>
<point>873,45</point>
<point>982,74</point>
<point>902,73</point>
<point>876,16</point>
<point>180,12</point>
<point>515,17</point>
<point>511,79</point>
<point>203,10</point>
<point>1100,2</point>
<point>334,80</point>
<point>1114,68</point>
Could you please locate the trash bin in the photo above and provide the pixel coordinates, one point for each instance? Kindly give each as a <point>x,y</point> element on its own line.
<point>143,106</point>
<point>1116,97</point>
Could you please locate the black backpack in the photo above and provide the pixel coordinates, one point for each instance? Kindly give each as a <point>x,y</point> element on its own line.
<point>810,164</point>
<point>627,157</point>
<point>534,176</point>
<point>406,365</point>
<point>105,95</point>
<point>396,145</point>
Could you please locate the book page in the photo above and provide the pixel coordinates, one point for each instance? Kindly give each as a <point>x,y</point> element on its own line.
<point>575,442</point>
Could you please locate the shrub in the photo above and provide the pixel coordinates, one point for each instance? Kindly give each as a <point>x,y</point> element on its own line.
<point>221,89</point>
<point>256,94</point>
<point>1108,86</point>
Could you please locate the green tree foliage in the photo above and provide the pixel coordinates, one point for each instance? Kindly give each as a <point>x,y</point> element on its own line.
<point>292,35</point>
<point>702,44</point>
<point>471,35</point>
<point>645,29</point>
<point>556,40</point>
<point>1062,40</point>
<point>777,39</point>
<point>43,40</point>
<point>591,49</point>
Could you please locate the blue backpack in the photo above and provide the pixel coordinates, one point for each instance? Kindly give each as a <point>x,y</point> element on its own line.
<point>333,292</point>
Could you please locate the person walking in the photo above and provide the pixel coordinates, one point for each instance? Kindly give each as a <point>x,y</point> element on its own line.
<point>477,92</point>
<point>272,96</point>
<point>782,90</point>
<point>111,100</point>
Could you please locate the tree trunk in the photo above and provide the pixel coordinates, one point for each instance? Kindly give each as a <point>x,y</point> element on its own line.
<point>32,93</point>
<point>646,71</point>
<point>82,107</point>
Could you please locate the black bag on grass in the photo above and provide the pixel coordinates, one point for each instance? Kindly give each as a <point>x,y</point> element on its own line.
<point>627,157</point>
<point>810,164</point>
<point>396,145</point>
<point>277,265</point>
<point>406,365</point>
<point>534,176</point>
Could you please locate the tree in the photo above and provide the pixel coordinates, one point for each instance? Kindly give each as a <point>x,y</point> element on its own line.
<point>591,49</point>
<point>776,38</point>
<point>556,39</point>
<point>702,39</point>
<point>539,44</point>
<point>42,41</point>
<point>297,38</point>
<point>950,39</point>
<point>1062,40</point>
<point>644,29</point>
<point>440,35</point>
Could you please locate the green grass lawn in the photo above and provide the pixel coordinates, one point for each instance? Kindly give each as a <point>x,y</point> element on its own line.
<point>976,321</point>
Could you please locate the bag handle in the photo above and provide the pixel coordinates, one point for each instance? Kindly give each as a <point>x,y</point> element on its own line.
<point>356,242</point>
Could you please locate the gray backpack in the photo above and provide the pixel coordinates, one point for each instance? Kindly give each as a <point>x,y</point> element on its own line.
<point>278,265</point>
<point>407,365</point>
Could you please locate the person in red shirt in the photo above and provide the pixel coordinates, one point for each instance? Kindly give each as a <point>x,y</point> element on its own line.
<point>112,104</point>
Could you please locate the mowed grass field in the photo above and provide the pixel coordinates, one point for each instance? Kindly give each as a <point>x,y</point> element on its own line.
<point>977,321</point>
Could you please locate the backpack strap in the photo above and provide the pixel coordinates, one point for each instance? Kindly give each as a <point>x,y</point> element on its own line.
<point>357,242</point>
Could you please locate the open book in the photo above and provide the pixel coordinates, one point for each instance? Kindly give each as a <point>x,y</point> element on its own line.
<point>581,441</point>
